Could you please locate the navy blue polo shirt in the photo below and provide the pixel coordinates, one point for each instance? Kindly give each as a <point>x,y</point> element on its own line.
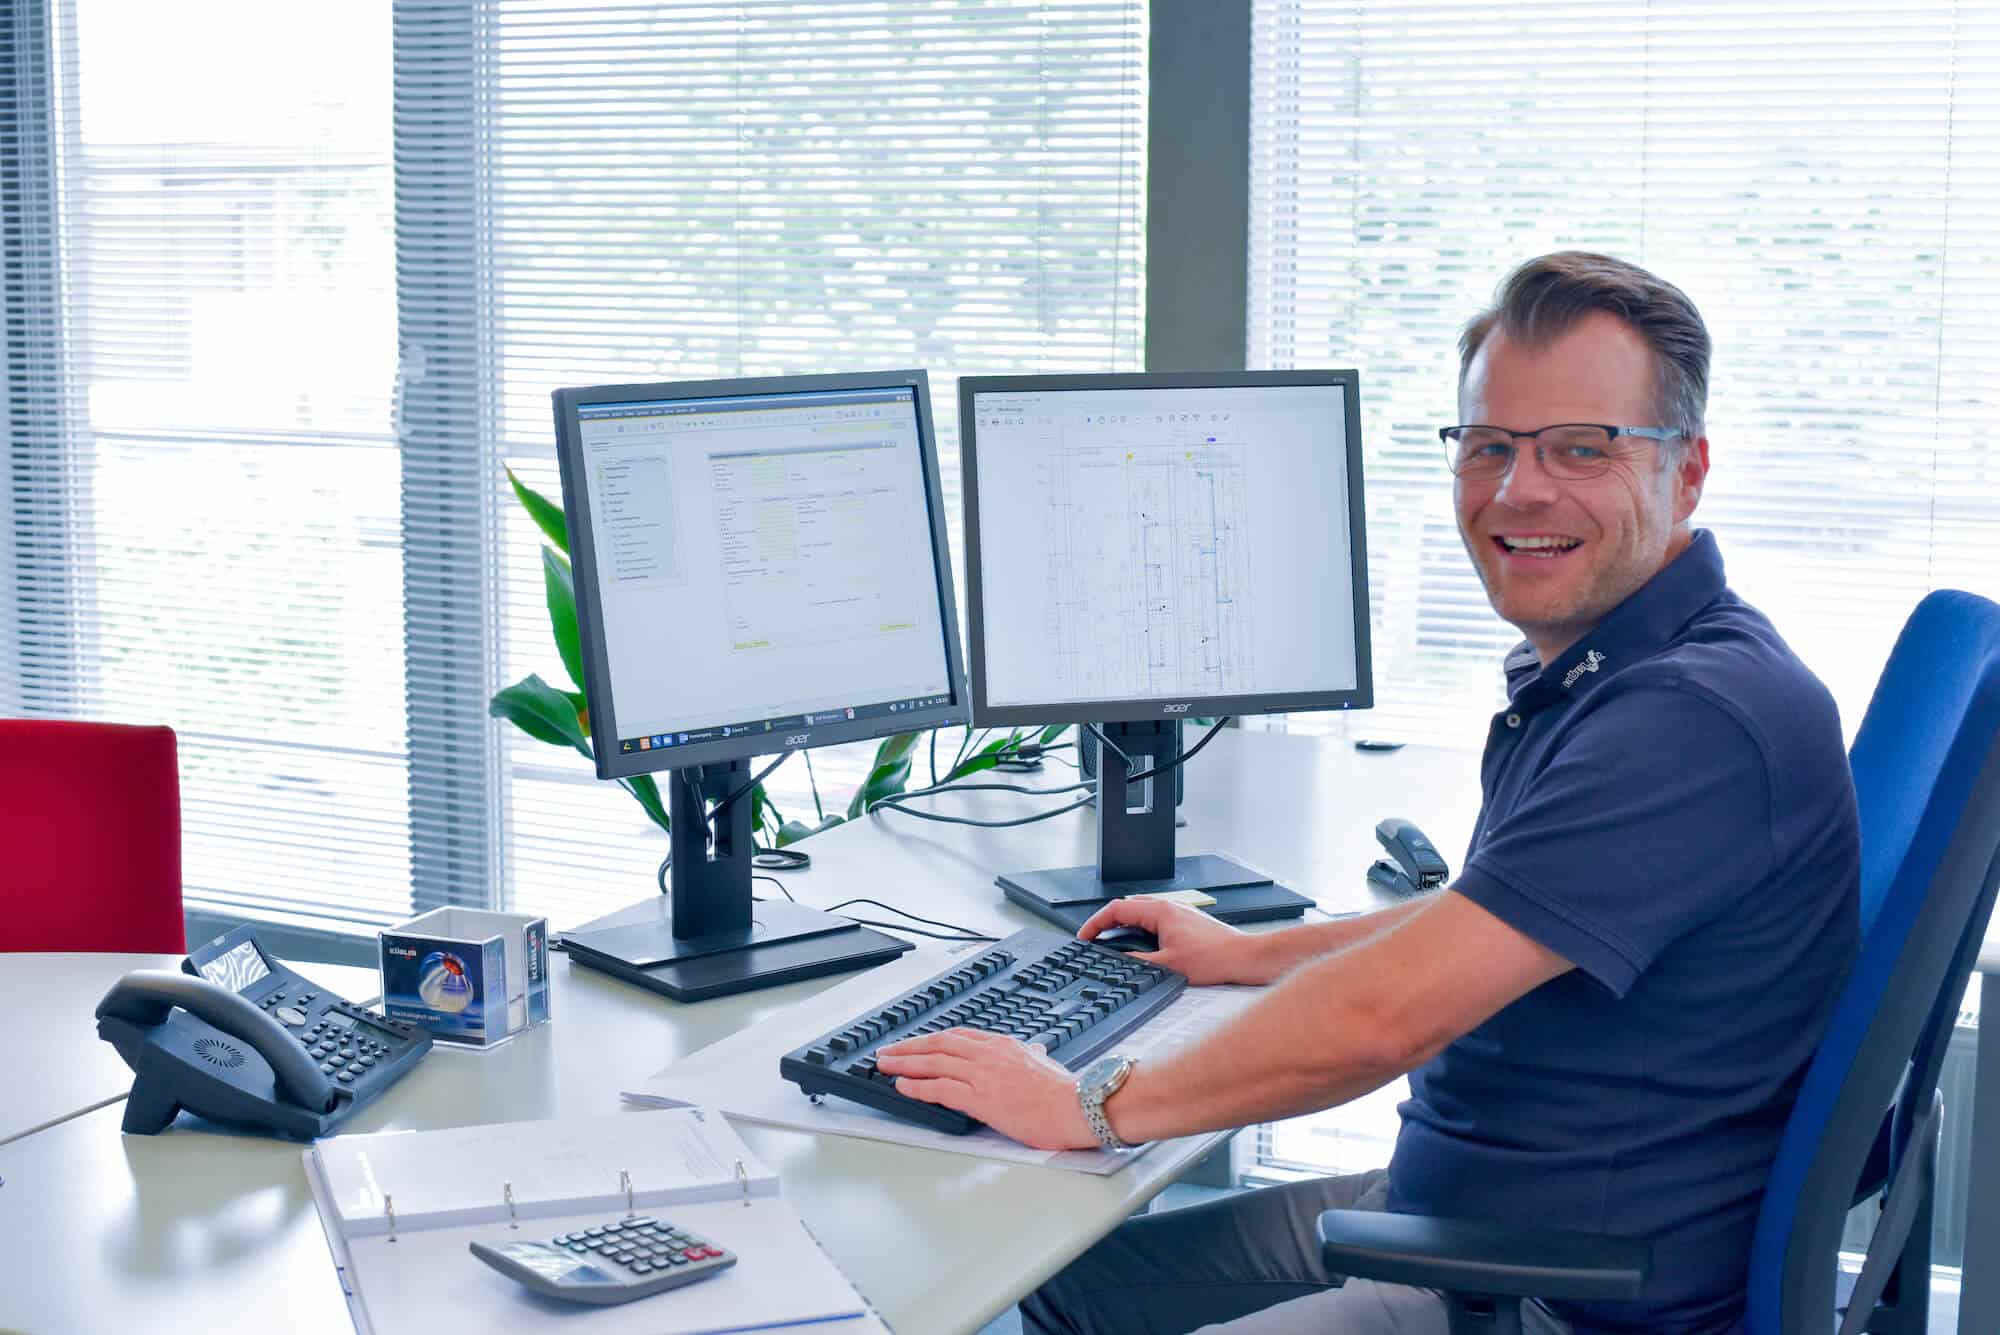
<point>1668,807</point>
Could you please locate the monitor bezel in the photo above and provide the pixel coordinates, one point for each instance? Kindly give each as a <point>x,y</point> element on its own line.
<point>987,714</point>
<point>613,763</point>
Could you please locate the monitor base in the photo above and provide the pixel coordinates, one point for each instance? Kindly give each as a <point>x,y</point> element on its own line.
<point>784,944</point>
<point>1067,896</point>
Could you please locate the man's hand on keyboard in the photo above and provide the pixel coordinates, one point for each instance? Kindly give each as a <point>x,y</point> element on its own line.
<point>1014,1087</point>
<point>1206,949</point>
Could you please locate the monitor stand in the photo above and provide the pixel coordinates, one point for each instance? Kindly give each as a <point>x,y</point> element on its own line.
<point>1135,847</point>
<point>708,938</point>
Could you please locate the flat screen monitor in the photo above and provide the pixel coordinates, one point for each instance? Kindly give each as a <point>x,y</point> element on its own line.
<point>1145,549</point>
<point>760,565</point>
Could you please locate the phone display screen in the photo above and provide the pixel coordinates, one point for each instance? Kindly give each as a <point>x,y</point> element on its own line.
<point>238,968</point>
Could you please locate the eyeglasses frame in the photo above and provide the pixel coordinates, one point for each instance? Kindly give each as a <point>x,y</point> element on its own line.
<point>1658,434</point>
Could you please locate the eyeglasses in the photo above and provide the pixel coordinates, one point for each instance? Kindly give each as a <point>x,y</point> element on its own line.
<point>1570,451</point>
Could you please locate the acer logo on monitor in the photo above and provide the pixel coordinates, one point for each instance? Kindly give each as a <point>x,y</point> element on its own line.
<point>797,739</point>
<point>1179,709</point>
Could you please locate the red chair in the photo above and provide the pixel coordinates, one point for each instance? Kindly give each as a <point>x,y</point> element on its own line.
<point>90,838</point>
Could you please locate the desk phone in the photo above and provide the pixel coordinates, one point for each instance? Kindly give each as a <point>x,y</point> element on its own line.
<point>239,1038</point>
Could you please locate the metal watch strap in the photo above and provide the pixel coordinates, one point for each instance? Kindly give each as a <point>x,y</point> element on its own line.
<point>1093,1108</point>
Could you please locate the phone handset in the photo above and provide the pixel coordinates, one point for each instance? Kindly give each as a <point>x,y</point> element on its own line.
<point>144,998</point>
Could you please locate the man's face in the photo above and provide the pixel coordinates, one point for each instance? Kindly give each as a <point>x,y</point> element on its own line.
<point>1613,532</point>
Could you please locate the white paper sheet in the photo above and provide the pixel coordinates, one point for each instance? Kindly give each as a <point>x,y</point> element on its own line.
<point>739,1074</point>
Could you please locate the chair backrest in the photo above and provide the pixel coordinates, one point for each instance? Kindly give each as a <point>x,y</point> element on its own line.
<point>90,838</point>
<point>1926,765</point>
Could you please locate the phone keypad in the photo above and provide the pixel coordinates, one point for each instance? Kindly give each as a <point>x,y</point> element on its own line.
<point>342,1053</point>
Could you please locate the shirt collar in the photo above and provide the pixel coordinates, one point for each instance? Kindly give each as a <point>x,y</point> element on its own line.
<point>1642,625</point>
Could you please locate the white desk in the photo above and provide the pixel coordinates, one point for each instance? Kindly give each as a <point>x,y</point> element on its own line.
<point>50,1047</point>
<point>186,1230</point>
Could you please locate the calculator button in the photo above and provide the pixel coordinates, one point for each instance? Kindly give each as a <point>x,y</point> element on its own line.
<point>345,1077</point>
<point>594,1232</point>
<point>642,1267</point>
<point>675,1258</point>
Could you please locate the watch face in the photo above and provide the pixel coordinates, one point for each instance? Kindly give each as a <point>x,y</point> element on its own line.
<point>1101,1075</point>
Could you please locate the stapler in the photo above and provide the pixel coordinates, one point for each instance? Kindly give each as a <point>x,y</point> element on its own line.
<point>1417,866</point>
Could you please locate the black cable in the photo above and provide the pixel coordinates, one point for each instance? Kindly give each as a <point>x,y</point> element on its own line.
<point>918,931</point>
<point>963,787</point>
<point>1104,741</point>
<point>726,802</point>
<point>1166,767</point>
<point>780,884</point>
<point>891,804</point>
<point>913,917</point>
<point>1184,756</point>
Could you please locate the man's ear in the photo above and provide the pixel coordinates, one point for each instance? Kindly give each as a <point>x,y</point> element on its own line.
<point>1690,475</point>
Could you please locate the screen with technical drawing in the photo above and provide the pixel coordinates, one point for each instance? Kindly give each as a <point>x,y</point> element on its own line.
<point>1165,544</point>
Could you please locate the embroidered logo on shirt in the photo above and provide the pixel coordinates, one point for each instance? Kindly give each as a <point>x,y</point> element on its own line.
<point>1592,660</point>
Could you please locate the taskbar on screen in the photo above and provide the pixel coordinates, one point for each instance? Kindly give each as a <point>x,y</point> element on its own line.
<point>661,741</point>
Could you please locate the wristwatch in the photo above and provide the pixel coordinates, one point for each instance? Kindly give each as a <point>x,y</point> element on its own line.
<point>1099,1081</point>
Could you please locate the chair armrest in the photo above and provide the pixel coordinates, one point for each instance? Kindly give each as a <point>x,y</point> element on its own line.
<point>1479,1257</point>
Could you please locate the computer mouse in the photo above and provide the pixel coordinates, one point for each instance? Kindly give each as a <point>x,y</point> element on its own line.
<point>1128,938</point>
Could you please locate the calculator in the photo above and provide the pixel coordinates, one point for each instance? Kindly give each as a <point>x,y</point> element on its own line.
<point>612,1263</point>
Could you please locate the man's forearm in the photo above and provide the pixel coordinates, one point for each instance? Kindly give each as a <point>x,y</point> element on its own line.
<point>1307,1044</point>
<point>1272,955</point>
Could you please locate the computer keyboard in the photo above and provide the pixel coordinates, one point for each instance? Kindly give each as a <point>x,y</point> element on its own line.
<point>1040,987</point>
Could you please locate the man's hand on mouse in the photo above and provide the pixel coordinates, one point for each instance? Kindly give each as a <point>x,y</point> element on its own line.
<point>1205,949</point>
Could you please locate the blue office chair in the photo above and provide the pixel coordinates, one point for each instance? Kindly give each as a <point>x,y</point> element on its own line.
<point>1926,768</point>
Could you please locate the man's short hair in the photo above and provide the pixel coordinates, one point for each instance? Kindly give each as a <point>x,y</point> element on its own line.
<point>1542,299</point>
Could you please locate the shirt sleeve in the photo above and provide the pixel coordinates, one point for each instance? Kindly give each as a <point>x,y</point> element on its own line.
<point>1651,818</point>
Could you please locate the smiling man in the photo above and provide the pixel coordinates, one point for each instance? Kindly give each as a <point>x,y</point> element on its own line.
<point>1606,1017</point>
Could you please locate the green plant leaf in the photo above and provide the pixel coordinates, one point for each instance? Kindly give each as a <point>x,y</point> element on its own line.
<point>647,792</point>
<point>766,821</point>
<point>986,757</point>
<point>548,516</point>
<point>1053,731</point>
<point>543,712</point>
<point>577,703</point>
<point>890,775</point>
<point>795,830</point>
<point>561,586</point>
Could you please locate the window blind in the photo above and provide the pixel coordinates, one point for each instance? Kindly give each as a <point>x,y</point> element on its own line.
<point>1823,179</point>
<point>203,481</point>
<point>686,191</point>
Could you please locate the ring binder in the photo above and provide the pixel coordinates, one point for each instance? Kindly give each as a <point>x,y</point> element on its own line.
<point>557,1175</point>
